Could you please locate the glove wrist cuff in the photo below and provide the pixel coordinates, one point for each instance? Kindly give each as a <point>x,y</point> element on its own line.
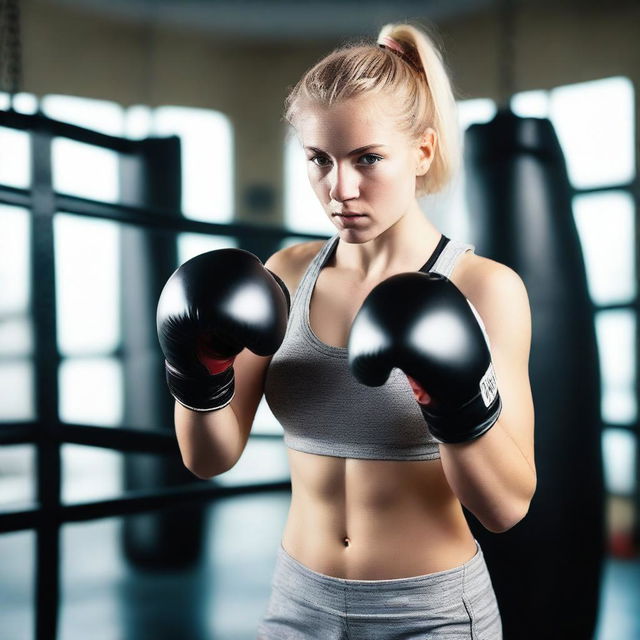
<point>201,394</point>
<point>464,424</point>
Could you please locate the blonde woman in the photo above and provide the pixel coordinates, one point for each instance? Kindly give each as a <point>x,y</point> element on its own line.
<point>376,544</point>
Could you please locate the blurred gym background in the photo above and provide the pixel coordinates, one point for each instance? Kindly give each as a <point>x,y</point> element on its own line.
<point>137,134</point>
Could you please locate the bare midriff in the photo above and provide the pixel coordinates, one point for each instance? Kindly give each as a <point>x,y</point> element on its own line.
<point>374,519</point>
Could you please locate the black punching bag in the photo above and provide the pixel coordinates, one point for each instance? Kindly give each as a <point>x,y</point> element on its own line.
<point>546,570</point>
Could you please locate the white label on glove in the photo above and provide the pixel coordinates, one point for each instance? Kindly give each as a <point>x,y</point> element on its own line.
<point>489,386</point>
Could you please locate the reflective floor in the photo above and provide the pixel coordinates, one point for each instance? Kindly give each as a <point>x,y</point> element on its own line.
<point>222,598</point>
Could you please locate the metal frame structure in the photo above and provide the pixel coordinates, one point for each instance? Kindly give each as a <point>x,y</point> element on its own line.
<point>48,433</point>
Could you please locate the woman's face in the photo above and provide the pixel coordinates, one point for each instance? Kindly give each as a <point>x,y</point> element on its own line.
<point>378,182</point>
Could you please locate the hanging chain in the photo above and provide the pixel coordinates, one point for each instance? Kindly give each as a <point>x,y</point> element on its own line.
<point>10,48</point>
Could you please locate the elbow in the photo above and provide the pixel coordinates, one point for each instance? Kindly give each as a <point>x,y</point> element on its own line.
<point>509,519</point>
<point>501,527</point>
<point>202,475</point>
<point>207,466</point>
<point>207,475</point>
<point>207,472</point>
<point>504,522</point>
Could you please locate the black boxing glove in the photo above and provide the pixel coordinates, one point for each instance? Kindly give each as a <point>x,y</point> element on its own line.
<point>424,325</point>
<point>210,309</point>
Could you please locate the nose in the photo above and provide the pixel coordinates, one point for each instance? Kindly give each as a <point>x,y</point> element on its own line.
<point>345,183</point>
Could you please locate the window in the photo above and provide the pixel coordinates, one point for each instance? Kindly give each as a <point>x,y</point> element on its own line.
<point>88,281</point>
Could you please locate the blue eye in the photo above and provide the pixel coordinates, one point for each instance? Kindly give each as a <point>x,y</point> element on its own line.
<point>315,158</point>
<point>371,155</point>
<point>366,155</point>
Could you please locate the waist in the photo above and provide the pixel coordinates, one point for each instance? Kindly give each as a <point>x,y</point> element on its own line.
<point>407,540</point>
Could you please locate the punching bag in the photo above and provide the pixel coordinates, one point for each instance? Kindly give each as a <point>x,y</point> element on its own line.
<point>546,570</point>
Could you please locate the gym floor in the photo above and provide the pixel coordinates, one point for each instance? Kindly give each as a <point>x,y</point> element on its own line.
<point>222,598</point>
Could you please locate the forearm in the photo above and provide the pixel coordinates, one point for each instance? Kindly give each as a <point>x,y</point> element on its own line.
<point>491,477</point>
<point>208,440</point>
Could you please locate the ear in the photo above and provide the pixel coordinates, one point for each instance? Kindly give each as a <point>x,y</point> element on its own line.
<point>426,151</point>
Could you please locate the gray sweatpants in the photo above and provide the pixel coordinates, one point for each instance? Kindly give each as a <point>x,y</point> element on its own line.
<point>457,603</point>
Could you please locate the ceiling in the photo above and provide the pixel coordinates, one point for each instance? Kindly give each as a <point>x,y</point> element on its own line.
<point>280,20</point>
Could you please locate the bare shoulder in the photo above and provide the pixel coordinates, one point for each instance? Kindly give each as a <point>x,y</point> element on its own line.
<point>291,262</point>
<point>478,276</point>
<point>500,296</point>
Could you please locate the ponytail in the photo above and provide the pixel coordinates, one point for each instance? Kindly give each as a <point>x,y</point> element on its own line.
<point>412,74</point>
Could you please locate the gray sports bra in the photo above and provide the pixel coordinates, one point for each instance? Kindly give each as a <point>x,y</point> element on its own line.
<point>322,408</point>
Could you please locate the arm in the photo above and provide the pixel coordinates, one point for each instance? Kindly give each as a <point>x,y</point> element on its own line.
<point>494,476</point>
<point>466,358</point>
<point>212,442</point>
<point>206,439</point>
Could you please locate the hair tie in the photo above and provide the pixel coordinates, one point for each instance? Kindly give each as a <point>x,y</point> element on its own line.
<point>396,47</point>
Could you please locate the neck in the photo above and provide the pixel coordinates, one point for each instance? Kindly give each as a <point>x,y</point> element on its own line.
<point>405,246</point>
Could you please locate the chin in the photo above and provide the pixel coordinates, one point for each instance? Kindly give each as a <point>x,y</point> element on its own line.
<point>356,236</point>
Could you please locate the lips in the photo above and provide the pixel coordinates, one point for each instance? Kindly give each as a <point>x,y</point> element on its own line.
<point>350,220</point>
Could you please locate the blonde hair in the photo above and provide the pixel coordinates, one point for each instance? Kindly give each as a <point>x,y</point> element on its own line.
<point>422,91</point>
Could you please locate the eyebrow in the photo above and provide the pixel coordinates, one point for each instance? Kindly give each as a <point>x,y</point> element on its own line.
<point>351,153</point>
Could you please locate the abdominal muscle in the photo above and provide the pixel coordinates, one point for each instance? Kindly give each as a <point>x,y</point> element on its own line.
<point>374,519</point>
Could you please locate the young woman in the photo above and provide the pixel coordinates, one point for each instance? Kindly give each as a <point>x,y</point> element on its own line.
<point>376,544</point>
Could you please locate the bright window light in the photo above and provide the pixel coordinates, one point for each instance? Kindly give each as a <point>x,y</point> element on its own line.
<point>530,104</point>
<point>475,111</point>
<point>206,139</point>
<point>91,391</point>
<point>104,116</point>
<point>84,170</point>
<point>15,158</point>
<point>303,211</point>
<point>615,332</point>
<point>81,169</point>
<point>193,244</point>
<point>595,125</point>
<point>619,448</point>
<point>606,226</point>
<point>87,255</point>
<point>15,273</point>
<point>16,390</point>
<point>22,102</point>
<point>448,209</point>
